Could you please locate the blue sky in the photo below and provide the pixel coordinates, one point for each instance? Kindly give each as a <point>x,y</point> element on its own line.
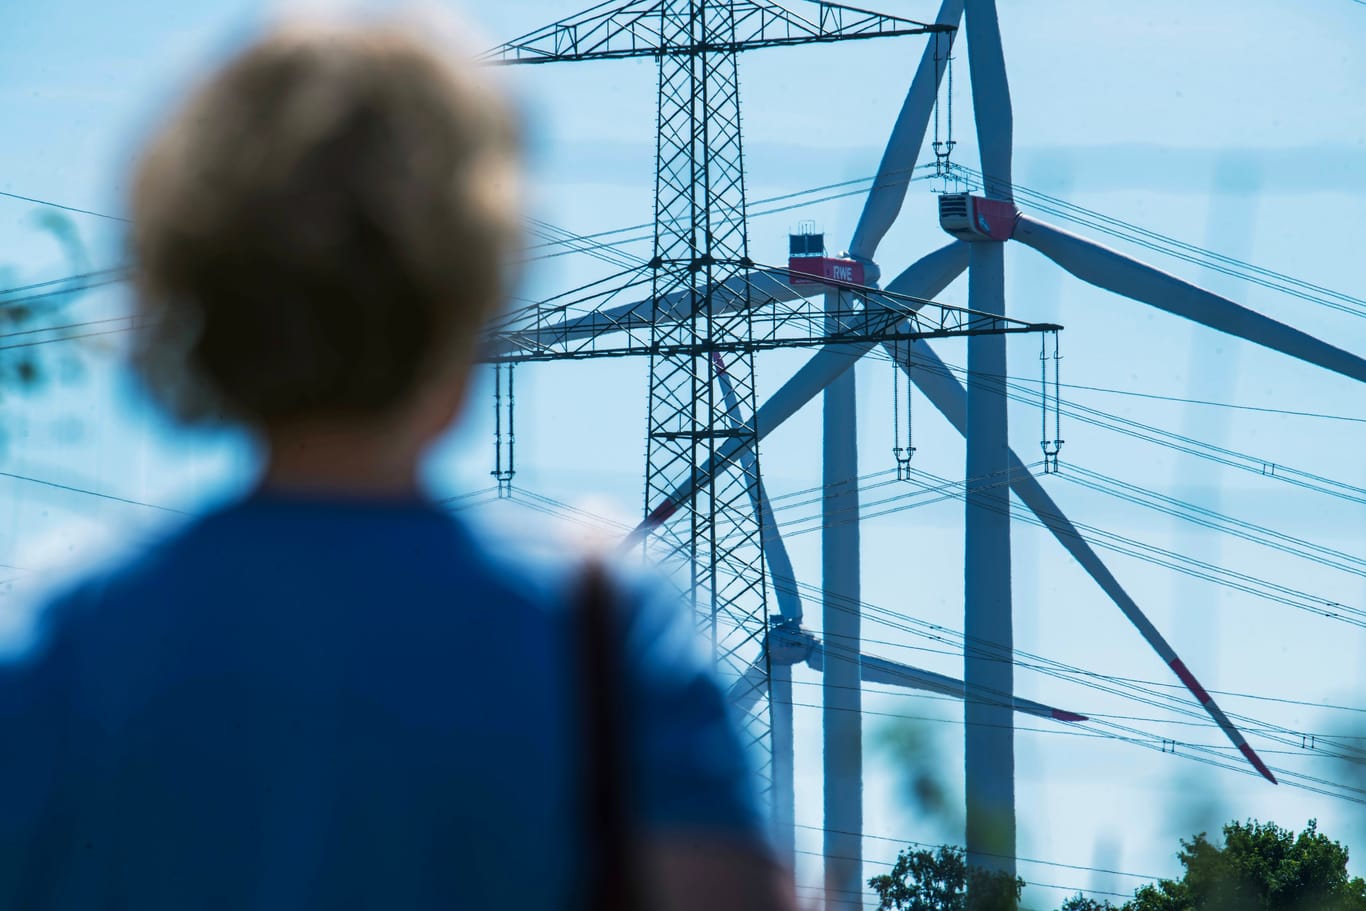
<point>1235,126</point>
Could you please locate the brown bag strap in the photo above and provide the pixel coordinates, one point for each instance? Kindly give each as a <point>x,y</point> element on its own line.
<point>613,872</point>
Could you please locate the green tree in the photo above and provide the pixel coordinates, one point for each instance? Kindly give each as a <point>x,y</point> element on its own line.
<point>1260,867</point>
<point>26,309</point>
<point>1080,902</point>
<point>939,880</point>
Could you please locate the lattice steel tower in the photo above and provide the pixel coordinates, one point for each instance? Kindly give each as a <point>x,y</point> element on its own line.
<point>701,245</point>
<point>700,324</point>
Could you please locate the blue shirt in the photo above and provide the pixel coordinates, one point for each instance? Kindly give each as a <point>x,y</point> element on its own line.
<point>306,703</point>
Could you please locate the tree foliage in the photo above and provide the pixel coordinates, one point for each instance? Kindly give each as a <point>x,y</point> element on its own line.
<point>1260,867</point>
<point>939,880</point>
<point>29,309</point>
<point>1081,902</point>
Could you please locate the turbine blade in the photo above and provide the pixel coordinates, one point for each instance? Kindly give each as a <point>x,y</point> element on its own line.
<point>881,670</point>
<point>932,273</point>
<point>991,108</point>
<point>925,278</point>
<point>775,551</point>
<point>948,396</point>
<point>908,134</point>
<point>1109,269</point>
<point>752,684</point>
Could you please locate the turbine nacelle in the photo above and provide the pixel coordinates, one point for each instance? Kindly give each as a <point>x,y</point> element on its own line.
<point>808,263</point>
<point>977,219</point>
<point>808,270</point>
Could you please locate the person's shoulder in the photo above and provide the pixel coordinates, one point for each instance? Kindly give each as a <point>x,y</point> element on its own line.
<point>65,590</point>
<point>541,569</point>
<point>552,570</point>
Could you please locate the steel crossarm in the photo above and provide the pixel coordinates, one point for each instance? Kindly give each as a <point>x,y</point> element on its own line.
<point>559,323</point>
<point>863,315</point>
<point>637,29</point>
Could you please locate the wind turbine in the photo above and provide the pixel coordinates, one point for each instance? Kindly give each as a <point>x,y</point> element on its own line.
<point>979,414</point>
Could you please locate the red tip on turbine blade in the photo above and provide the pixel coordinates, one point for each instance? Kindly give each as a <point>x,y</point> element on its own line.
<point>1200,693</point>
<point>1257,763</point>
<point>1061,715</point>
<point>1189,680</point>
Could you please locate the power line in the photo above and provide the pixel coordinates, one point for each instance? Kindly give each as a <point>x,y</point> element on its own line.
<point>87,492</point>
<point>68,326</point>
<point>57,281</point>
<point>1213,755</point>
<point>1260,465</point>
<point>73,337</point>
<point>1208,518</point>
<point>113,278</point>
<point>1205,754</point>
<point>1147,238</point>
<point>826,889</point>
<point>1130,540</point>
<point>1135,736</point>
<point>909,692</point>
<point>891,177</point>
<point>1185,401</point>
<point>1026,860</point>
<point>1159,556</point>
<point>1088,679</point>
<point>1059,670</point>
<point>57,205</point>
<point>1172,506</point>
<point>939,489</point>
<point>1140,681</point>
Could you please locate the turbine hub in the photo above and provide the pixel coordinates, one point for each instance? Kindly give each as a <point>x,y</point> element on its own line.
<point>871,273</point>
<point>788,643</point>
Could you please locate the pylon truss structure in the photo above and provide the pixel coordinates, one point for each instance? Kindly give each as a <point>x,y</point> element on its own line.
<point>589,327</point>
<point>649,28</point>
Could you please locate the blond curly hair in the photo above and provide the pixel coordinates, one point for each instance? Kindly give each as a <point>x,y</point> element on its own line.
<point>321,225</point>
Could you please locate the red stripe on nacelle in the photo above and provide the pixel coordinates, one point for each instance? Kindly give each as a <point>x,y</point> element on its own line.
<point>1189,680</point>
<point>1257,763</point>
<point>804,270</point>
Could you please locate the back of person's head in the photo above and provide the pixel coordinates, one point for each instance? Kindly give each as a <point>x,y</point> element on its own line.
<point>321,227</point>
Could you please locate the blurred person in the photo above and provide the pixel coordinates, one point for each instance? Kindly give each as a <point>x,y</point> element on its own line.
<point>332,693</point>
